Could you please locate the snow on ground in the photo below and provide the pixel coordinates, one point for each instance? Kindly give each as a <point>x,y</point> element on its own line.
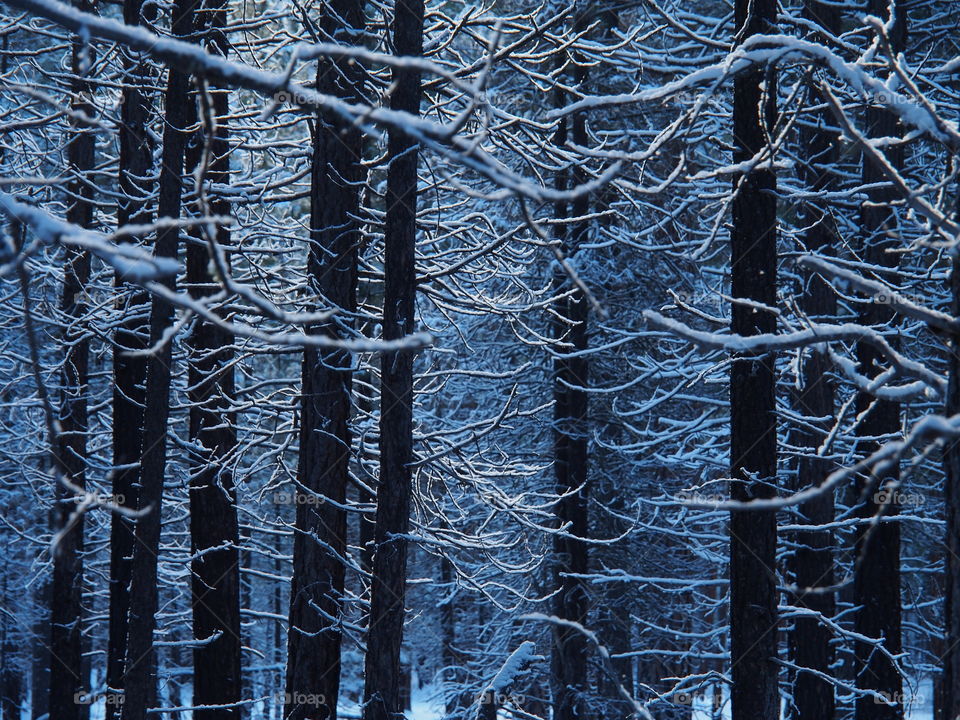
<point>919,701</point>
<point>427,704</point>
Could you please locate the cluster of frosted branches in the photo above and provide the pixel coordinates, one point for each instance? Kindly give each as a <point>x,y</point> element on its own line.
<point>570,158</point>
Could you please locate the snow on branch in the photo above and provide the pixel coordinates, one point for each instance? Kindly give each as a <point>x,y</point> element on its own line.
<point>132,263</point>
<point>776,49</point>
<point>888,455</point>
<point>813,335</point>
<point>140,267</point>
<point>639,709</point>
<point>514,666</point>
<point>938,220</point>
<point>408,343</point>
<point>190,58</point>
<point>882,293</point>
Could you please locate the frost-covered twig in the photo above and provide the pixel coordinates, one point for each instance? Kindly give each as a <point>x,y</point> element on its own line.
<point>132,263</point>
<point>813,335</point>
<point>191,58</point>
<point>879,291</point>
<point>639,709</point>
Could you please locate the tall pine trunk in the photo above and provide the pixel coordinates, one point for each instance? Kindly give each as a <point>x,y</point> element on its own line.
<point>40,654</point>
<point>129,373</point>
<point>950,680</point>
<point>570,376</point>
<point>451,673</point>
<point>140,667</point>
<point>813,570</point>
<point>876,587</point>
<point>753,425</point>
<point>313,662</point>
<point>12,655</point>
<point>382,680</point>
<point>66,671</point>
<point>214,534</point>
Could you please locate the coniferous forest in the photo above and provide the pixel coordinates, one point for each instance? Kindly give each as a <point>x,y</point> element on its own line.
<point>480,360</point>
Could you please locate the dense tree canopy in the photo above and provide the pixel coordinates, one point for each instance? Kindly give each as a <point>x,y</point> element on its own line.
<point>479,360</point>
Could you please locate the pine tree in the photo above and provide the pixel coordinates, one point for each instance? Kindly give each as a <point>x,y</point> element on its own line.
<point>129,370</point>
<point>215,540</point>
<point>323,468</point>
<point>382,676</point>
<point>950,679</point>
<point>753,427</point>
<point>876,587</point>
<point>66,669</point>
<point>140,689</point>
<point>570,378</point>
<point>813,561</point>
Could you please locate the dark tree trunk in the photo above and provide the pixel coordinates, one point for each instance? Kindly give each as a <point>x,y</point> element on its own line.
<point>40,660</point>
<point>381,690</point>
<point>313,662</point>
<point>949,695</point>
<point>569,657</point>
<point>365,520</point>
<point>279,648</point>
<point>406,685</point>
<point>813,561</point>
<point>140,666</point>
<point>367,527</point>
<point>753,425</point>
<point>66,671</point>
<point>214,534</point>
<point>135,171</point>
<point>11,692</point>
<point>448,629</point>
<point>11,657</point>
<point>876,587</point>
<point>617,638</point>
